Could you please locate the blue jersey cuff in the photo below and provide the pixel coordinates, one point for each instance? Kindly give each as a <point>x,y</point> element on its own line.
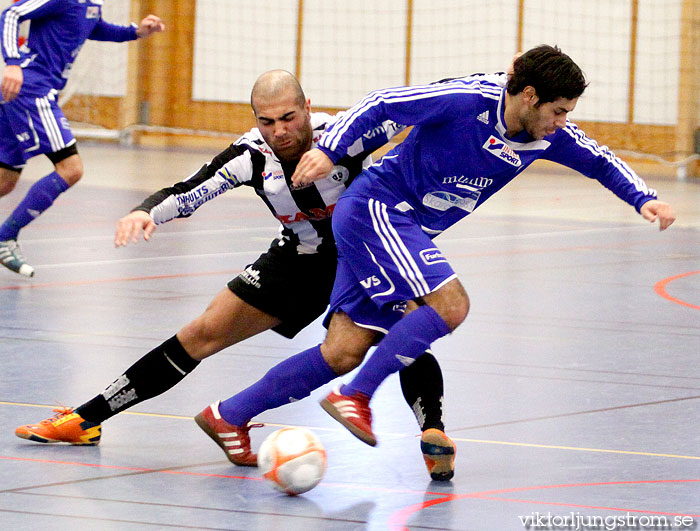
<point>330,154</point>
<point>644,199</point>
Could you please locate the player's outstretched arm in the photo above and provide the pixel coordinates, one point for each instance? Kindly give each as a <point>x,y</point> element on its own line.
<point>654,209</point>
<point>130,227</point>
<point>314,165</point>
<point>150,24</point>
<point>12,79</point>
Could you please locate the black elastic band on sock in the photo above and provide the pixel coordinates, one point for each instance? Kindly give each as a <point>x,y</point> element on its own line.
<point>178,356</point>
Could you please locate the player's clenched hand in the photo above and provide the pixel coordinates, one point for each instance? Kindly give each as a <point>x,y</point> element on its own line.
<point>150,24</point>
<point>12,79</point>
<point>651,210</point>
<point>314,165</point>
<point>130,227</point>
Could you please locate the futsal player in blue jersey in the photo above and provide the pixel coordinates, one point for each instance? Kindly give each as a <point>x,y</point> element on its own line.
<point>31,122</point>
<point>471,137</point>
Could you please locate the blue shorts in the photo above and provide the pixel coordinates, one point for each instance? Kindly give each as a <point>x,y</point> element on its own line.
<point>384,260</point>
<point>31,126</point>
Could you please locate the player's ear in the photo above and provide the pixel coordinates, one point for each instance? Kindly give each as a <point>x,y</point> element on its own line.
<point>307,105</point>
<point>530,95</point>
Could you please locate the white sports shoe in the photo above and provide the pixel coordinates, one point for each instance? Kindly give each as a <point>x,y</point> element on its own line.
<point>12,258</point>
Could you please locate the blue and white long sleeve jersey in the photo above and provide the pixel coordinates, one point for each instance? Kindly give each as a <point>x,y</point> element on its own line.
<point>58,30</point>
<point>304,214</point>
<point>458,155</point>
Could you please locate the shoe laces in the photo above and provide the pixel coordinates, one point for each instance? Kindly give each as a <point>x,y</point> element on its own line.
<point>243,430</point>
<point>59,413</point>
<point>14,249</point>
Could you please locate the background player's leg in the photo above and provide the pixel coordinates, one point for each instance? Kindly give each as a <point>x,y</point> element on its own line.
<point>10,253</point>
<point>42,194</point>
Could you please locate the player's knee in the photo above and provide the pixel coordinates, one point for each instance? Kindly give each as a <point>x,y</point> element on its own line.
<point>72,175</point>
<point>8,180</point>
<point>70,169</point>
<point>457,312</point>
<point>451,303</point>
<point>200,339</point>
<point>341,358</point>
<point>6,187</point>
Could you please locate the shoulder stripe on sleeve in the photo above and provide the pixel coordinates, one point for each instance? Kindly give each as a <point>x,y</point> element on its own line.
<point>602,151</point>
<point>10,28</point>
<point>402,94</point>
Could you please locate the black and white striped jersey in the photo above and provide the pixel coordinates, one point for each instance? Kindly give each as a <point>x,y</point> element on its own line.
<point>304,214</point>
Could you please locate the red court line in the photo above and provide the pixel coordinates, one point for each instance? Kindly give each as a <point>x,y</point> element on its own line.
<point>132,468</point>
<point>122,279</point>
<point>205,474</point>
<point>397,521</point>
<point>660,289</point>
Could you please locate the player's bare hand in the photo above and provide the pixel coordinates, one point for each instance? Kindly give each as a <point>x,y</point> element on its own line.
<point>150,24</point>
<point>314,165</point>
<point>130,227</point>
<point>654,209</point>
<point>12,79</point>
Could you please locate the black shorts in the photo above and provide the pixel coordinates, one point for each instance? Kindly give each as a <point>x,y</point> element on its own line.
<point>292,287</point>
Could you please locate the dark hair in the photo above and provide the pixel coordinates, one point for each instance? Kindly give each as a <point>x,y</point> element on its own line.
<point>552,74</point>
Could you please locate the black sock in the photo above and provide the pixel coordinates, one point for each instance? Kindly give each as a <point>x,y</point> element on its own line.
<point>152,375</point>
<point>421,384</point>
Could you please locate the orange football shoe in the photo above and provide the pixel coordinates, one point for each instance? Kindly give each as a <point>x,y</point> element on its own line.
<point>439,454</point>
<point>65,426</point>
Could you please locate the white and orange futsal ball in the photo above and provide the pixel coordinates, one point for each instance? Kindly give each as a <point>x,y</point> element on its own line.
<point>293,460</point>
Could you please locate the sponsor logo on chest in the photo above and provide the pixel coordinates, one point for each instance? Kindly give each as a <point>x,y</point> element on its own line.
<point>273,175</point>
<point>499,149</point>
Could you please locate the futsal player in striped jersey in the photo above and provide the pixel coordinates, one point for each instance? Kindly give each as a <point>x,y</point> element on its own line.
<point>472,136</point>
<point>31,122</point>
<point>285,289</point>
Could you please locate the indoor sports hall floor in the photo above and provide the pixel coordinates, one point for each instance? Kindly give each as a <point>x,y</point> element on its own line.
<point>572,390</point>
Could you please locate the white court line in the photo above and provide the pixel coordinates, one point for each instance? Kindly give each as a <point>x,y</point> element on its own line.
<point>482,239</point>
<point>172,234</point>
<point>157,234</point>
<point>542,234</point>
<point>145,259</point>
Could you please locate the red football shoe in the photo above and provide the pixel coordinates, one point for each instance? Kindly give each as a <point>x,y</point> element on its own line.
<point>233,440</point>
<point>353,412</point>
